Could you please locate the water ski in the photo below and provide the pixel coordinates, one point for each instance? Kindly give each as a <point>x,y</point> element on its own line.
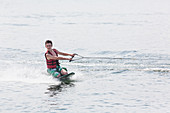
<point>63,77</point>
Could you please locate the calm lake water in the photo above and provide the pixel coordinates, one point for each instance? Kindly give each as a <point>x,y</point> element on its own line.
<point>100,28</point>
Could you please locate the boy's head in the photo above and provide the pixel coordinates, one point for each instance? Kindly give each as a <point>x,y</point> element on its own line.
<point>48,44</point>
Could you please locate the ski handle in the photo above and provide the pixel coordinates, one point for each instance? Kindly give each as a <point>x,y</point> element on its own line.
<point>72,57</point>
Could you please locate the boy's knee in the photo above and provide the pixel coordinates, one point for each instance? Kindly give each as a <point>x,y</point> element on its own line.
<point>57,74</point>
<point>64,72</point>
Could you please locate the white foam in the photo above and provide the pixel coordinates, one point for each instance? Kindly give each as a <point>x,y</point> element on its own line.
<point>78,76</point>
<point>27,74</point>
<point>157,69</point>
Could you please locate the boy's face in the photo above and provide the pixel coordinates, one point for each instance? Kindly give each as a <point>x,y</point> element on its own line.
<point>48,45</point>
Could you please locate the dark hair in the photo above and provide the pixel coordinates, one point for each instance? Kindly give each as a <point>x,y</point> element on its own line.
<point>48,41</point>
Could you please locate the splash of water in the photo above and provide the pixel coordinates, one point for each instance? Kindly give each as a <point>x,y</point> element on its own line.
<point>27,74</point>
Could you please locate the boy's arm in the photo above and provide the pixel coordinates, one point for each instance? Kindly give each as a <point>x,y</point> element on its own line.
<point>64,54</point>
<point>50,57</point>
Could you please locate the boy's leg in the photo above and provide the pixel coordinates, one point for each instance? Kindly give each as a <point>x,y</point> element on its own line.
<point>63,71</point>
<point>54,72</point>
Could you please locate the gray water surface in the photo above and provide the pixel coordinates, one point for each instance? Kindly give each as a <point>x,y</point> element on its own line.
<point>133,29</point>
